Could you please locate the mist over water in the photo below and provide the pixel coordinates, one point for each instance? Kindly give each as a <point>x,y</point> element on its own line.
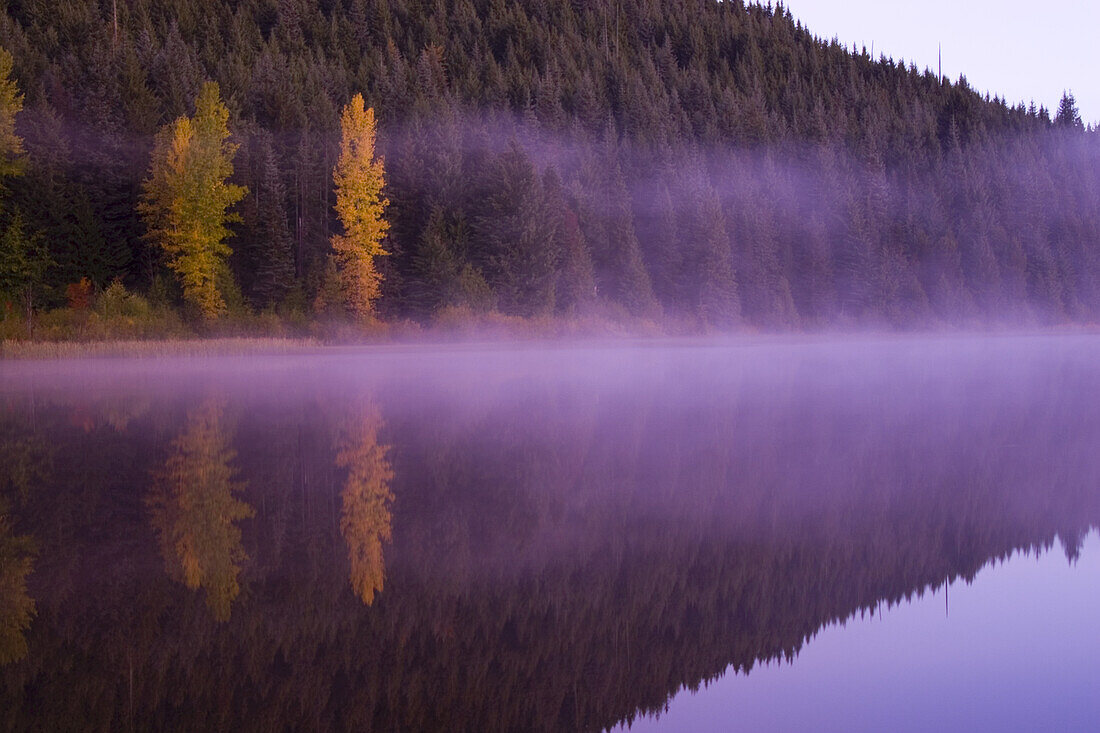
<point>545,537</point>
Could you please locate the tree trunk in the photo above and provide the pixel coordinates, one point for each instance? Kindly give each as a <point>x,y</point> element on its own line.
<point>28,300</point>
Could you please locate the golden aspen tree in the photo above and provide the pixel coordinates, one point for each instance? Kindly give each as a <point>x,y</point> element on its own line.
<point>23,256</point>
<point>11,104</point>
<point>187,198</point>
<point>359,177</point>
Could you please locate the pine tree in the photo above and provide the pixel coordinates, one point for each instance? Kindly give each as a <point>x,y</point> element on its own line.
<point>268,248</point>
<point>713,286</point>
<point>435,269</point>
<point>359,177</point>
<point>574,286</point>
<point>517,246</point>
<point>1068,116</point>
<point>70,227</point>
<point>608,227</point>
<point>23,265</point>
<point>23,258</point>
<point>187,198</point>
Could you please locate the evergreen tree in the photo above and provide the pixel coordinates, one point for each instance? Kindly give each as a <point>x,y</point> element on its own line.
<point>267,242</point>
<point>23,265</point>
<point>574,287</point>
<point>434,281</point>
<point>608,227</point>
<point>70,226</point>
<point>711,281</point>
<point>1068,116</point>
<point>517,247</point>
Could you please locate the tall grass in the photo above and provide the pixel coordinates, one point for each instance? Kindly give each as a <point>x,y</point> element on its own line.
<point>152,349</point>
<point>121,323</point>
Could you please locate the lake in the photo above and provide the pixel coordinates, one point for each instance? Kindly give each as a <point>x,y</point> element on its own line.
<point>764,534</point>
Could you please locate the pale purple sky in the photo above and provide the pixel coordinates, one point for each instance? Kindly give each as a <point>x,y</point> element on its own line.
<point>1019,50</point>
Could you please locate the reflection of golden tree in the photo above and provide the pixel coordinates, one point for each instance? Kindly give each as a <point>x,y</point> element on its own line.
<point>16,606</point>
<point>195,510</point>
<point>365,520</point>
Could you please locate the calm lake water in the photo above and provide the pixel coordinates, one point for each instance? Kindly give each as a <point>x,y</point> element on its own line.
<point>862,535</point>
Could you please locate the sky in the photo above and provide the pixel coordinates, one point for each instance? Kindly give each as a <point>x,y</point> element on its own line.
<point>1022,51</point>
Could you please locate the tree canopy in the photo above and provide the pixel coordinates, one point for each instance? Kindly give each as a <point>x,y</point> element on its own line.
<point>187,197</point>
<point>359,177</point>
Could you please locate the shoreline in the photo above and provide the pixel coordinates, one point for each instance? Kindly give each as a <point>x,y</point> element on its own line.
<point>221,346</point>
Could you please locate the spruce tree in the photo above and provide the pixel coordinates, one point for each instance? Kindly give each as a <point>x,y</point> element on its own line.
<point>268,244</point>
<point>518,247</point>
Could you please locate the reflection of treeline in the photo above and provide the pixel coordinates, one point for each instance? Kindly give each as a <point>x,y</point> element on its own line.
<point>556,562</point>
<point>707,161</point>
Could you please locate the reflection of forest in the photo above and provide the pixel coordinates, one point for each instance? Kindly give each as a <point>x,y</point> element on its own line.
<point>557,562</point>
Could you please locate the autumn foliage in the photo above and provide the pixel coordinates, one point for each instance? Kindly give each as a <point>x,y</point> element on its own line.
<point>187,198</point>
<point>79,294</point>
<point>359,177</point>
<point>11,103</point>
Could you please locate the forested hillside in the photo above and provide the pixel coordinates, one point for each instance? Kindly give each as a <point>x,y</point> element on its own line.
<point>690,160</point>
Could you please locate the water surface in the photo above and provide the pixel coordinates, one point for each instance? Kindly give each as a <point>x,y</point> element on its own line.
<point>866,534</point>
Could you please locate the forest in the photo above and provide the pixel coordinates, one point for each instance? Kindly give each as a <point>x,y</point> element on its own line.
<point>709,165</point>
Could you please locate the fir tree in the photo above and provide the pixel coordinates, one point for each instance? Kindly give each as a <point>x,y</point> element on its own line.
<point>268,244</point>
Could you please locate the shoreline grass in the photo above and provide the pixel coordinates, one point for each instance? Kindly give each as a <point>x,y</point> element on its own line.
<point>157,335</point>
<point>155,348</point>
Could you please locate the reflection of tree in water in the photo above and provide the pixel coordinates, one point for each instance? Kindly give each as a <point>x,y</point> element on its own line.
<point>194,510</point>
<point>16,605</point>
<point>365,521</point>
<point>24,461</point>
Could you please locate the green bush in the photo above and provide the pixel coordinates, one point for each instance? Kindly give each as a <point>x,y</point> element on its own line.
<point>117,302</point>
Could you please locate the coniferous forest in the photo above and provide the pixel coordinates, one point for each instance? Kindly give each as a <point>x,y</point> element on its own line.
<point>703,163</point>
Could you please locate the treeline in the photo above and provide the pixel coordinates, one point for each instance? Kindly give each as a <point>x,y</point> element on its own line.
<point>705,162</point>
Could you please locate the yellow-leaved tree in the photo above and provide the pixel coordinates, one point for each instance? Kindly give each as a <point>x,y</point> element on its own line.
<point>11,104</point>
<point>187,198</point>
<point>359,177</point>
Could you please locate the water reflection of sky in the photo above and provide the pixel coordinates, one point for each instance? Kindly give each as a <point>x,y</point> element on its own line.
<point>1017,650</point>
